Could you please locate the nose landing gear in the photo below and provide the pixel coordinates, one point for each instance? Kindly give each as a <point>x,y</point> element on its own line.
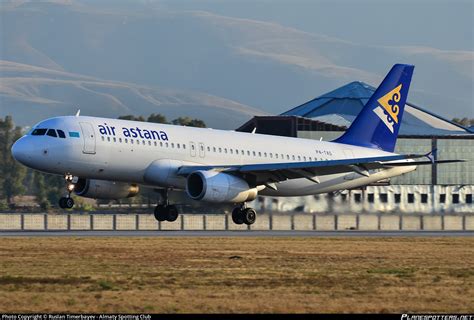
<point>166,211</point>
<point>241,215</point>
<point>67,202</point>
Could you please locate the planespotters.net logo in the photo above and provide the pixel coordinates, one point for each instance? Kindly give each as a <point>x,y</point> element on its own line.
<point>437,317</point>
<point>389,109</point>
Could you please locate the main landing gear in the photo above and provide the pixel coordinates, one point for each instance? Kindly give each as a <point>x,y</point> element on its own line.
<point>67,202</point>
<point>166,211</point>
<point>242,214</point>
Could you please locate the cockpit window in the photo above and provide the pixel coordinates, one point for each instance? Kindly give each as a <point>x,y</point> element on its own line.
<point>38,132</point>
<point>52,133</point>
<point>61,134</point>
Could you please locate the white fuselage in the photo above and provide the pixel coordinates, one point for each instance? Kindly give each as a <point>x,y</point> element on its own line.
<point>108,149</point>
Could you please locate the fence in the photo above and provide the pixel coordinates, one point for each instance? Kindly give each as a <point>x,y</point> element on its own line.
<point>302,222</point>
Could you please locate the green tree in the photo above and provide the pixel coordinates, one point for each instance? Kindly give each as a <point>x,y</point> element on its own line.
<point>187,121</point>
<point>157,118</point>
<point>13,173</point>
<point>131,117</point>
<point>40,190</point>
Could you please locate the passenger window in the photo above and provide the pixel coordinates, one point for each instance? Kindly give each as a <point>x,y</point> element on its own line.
<point>39,132</point>
<point>166,145</point>
<point>138,141</point>
<point>293,157</point>
<point>131,141</point>
<point>214,149</point>
<point>265,154</point>
<point>126,140</point>
<point>220,150</point>
<point>115,139</point>
<point>149,143</point>
<point>61,134</point>
<point>103,138</point>
<point>172,145</point>
<point>276,155</point>
<point>259,153</point>
<point>178,146</point>
<point>120,140</point>
<point>184,146</point>
<point>208,149</point>
<point>231,151</point>
<point>161,144</point>
<point>225,150</point>
<point>156,144</point>
<point>299,158</point>
<point>52,133</point>
<point>143,142</point>
<point>108,139</point>
<point>242,152</point>
<point>248,153</point>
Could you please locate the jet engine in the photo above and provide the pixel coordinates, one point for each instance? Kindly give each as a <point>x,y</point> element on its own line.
<point>214,186</point>
<point>102,189</point>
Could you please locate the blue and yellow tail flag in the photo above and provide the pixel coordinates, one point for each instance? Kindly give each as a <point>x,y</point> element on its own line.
<point>378,123</point>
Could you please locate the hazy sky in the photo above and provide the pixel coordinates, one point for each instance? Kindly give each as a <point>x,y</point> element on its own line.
<point>445,25</point>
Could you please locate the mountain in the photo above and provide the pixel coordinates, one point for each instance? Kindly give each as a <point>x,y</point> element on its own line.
<point>261,64</point>
<point>32,93</point>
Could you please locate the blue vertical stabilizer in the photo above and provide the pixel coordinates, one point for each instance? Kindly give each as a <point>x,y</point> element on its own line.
<point>378,123</point>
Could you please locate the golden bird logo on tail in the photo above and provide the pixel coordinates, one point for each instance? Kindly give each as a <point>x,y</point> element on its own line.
<point>389,109</point>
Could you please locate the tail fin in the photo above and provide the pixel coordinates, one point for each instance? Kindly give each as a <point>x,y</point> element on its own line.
<point>378,123</point>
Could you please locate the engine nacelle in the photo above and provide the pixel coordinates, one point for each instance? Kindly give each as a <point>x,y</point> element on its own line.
<point>214,186</point>
<point>102,189</point>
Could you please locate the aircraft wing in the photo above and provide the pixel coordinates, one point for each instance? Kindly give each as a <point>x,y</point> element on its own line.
<point>266,173</point>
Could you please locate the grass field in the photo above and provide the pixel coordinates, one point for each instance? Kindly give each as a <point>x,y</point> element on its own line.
<point>236,275</point>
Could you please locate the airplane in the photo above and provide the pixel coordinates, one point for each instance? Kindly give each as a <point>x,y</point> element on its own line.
<point>109,158</point>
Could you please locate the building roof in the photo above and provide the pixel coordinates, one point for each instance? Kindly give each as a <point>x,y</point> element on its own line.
<point>341,106</point>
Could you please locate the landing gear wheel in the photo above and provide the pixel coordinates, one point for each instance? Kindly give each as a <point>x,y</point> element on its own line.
<point>172,213</point>
<point>66,203</point>
<point>237,216</point>
<point>62,202</point>
<point>160,212</point>
<point>69,203</point>
<point>249,216</point>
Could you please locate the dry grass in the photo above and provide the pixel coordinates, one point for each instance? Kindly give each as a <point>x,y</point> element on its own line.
<point>236,275</point>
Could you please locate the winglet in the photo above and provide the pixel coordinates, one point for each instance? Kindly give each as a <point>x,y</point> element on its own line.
<point>78,112</point>
<point>432,155</point>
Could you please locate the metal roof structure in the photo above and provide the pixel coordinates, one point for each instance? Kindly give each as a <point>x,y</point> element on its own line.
<point>340,107</point>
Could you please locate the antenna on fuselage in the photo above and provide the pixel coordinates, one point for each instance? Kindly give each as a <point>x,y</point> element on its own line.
<point>78,112</point>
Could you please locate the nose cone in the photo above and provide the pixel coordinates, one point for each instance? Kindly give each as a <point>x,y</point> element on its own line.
<point>20,151</point>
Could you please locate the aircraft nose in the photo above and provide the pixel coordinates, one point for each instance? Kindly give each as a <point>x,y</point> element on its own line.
<point>20,151</point>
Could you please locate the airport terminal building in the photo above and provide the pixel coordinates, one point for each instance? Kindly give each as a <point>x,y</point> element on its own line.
<point>439,188</point>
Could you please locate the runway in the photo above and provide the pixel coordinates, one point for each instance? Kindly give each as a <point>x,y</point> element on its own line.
<point>209,233</point>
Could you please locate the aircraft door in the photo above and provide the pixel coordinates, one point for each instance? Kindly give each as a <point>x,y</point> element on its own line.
<point>89,138</point>
<point>192,149</point>
<point>202,152</point>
